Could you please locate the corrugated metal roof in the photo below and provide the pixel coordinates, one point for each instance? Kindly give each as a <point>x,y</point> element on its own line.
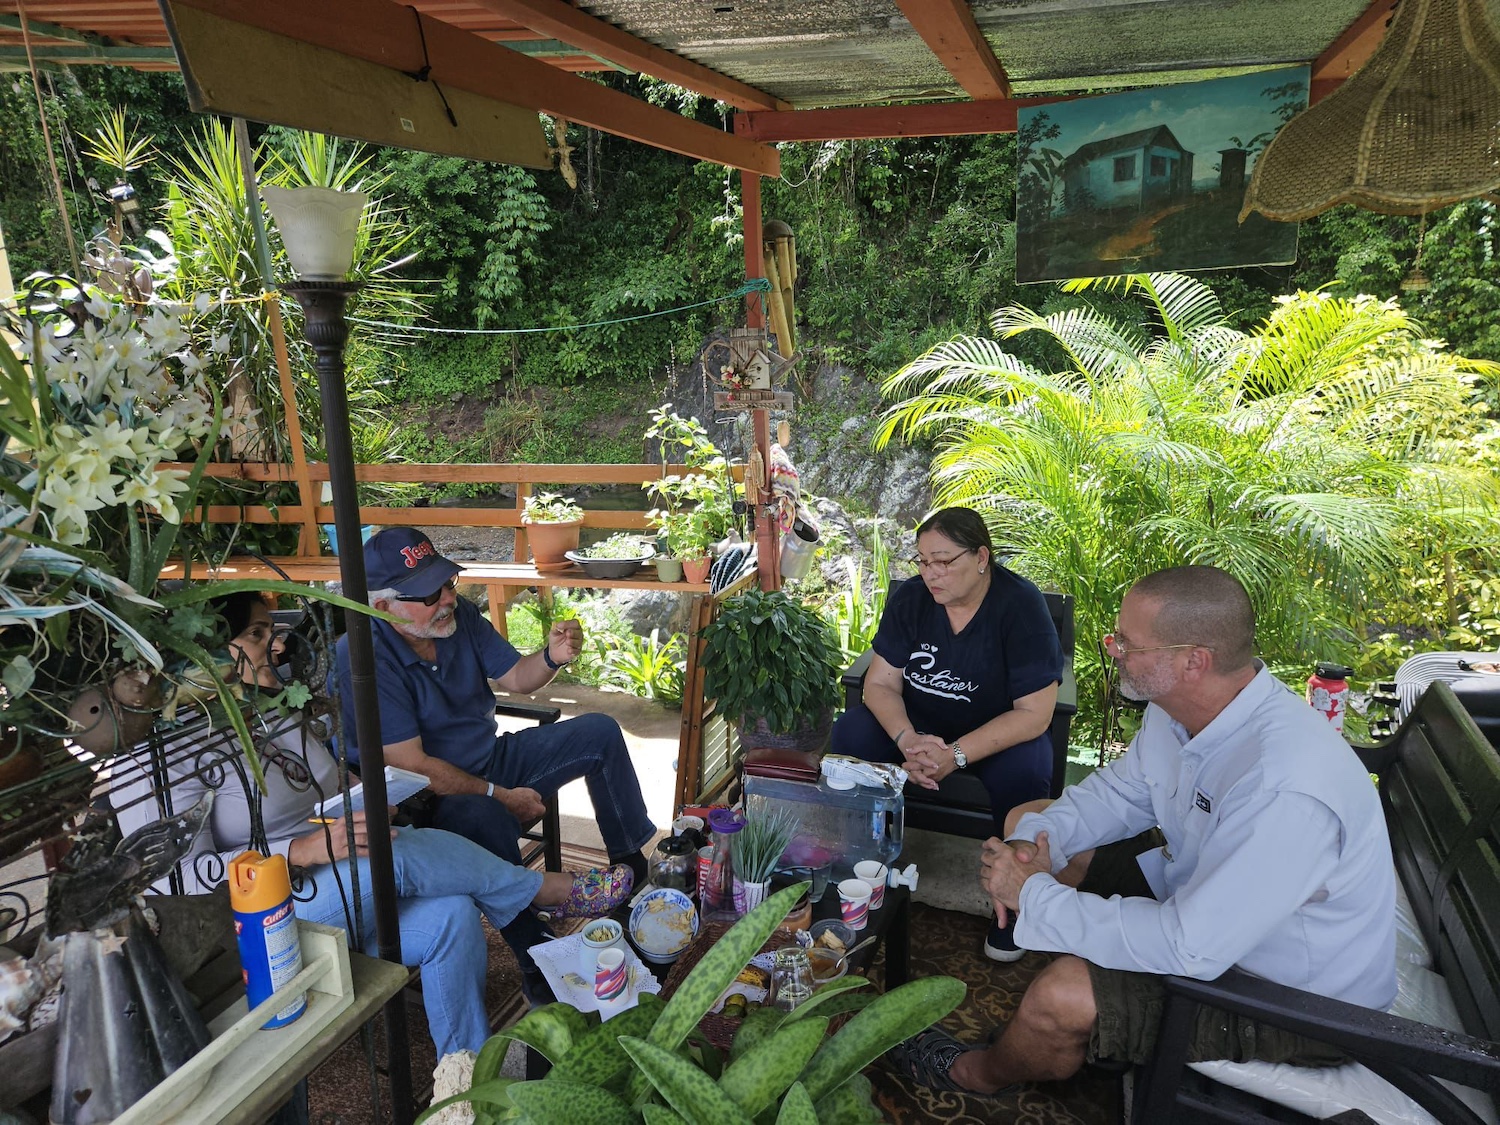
<point>857,52</point>
<point>814,53</point>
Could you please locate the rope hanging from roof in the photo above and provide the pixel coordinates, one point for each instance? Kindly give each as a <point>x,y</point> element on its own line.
<point>1416,128</point>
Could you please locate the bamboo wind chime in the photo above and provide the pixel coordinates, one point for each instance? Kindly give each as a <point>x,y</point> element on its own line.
<point>781,272</point>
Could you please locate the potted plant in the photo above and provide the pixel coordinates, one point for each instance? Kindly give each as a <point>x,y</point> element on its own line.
<point>619,556</point>
<point>782,1066</point>
<point>698,508</point>
<point>697,541</point>
<point>773,664</point>
<point>757,849</point>
<point>105,390</point>
<point>551,522</point>
<point>673,529</point>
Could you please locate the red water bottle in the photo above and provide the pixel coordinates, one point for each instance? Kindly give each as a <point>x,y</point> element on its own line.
<point>1328,692</point>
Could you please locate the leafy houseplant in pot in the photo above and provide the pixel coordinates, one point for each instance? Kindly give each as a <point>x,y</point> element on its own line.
<point>642,1066</point>
<point>697,543</point>
<point>619,556</point>
<point>552,523</point>
<point>773,664</point>
<point>674,532</point>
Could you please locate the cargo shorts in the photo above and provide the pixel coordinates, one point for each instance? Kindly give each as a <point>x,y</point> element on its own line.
<point>1130,1004</point>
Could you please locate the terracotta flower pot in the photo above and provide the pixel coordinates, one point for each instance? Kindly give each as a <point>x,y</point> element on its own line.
<point>696,570</point>
<point>551,542</point>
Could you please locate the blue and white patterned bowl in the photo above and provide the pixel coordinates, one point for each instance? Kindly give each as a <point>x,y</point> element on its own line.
<point>662,924</point>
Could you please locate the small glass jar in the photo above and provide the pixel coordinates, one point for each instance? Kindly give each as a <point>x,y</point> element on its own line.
<point>674,864</point>
<point>799,917</point>
<point>791,979</point>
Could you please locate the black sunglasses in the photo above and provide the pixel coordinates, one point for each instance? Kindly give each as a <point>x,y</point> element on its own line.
<point>436,596</point>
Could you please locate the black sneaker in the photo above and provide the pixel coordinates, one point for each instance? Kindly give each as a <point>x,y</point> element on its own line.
<point>1001,945</point>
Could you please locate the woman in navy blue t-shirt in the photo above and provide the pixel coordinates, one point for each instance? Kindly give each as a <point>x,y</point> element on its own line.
<point>964,676</point>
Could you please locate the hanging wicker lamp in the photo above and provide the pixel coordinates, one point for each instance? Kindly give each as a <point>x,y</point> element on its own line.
<point>1417,127</point>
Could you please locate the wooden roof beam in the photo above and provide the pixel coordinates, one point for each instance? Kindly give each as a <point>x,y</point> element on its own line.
<point>930,119</point>
<point>385,33</point>
<point>1351,50</point>
<point>594,36</point>
<point>949,30</point>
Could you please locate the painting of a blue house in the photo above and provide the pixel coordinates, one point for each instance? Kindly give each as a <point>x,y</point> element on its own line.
<point>1151,179</point>
<point>1133,170</point>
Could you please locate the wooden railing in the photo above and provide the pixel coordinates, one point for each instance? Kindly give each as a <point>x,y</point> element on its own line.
<point>707,748</point>
<point>503,579</point>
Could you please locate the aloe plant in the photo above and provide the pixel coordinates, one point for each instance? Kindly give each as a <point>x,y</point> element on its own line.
<point>782,1066</point>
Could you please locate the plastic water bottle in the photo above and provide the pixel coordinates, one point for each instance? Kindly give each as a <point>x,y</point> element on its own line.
<point>265,926</point>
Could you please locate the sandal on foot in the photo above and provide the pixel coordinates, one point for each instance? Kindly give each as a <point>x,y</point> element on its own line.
<point>928,1057</point>
<point>595,893</point>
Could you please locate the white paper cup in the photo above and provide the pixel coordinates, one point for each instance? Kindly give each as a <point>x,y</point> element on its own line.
<point>854,902</point>
<point>589,949</point>
<point>872,871</point>
<point>611,982</point>
<point>683,823</point>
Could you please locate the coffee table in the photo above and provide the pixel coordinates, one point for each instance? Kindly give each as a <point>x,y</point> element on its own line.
<point>890,925</point>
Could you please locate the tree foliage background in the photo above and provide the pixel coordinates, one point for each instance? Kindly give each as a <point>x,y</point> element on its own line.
<point>903,244</point>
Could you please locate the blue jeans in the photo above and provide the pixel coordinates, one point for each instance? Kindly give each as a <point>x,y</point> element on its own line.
<point>443,883</point>
<point>545,758</point>
<point>1011,777</point>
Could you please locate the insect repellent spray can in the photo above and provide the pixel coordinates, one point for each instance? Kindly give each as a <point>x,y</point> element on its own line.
<point>1328,692</point>
<point>260,894</point>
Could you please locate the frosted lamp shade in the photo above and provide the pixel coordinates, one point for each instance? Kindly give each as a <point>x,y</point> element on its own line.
<point>318,227</point>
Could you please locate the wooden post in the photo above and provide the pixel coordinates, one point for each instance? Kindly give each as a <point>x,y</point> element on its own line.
<point>768,546</point>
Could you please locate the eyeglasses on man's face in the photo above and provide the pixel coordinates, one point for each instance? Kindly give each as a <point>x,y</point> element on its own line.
<point>938,564</point>
<point>436,596</point>
<point>1117,648</point>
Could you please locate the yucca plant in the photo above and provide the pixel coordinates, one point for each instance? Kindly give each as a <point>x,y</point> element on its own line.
<point>1314,458</point>
<point>641,1067</point>
<point>208,222</point>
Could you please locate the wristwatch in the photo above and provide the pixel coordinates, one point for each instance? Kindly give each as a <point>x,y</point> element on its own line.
<point>960,759</point>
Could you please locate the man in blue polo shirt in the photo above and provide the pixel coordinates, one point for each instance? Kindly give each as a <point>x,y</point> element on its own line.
<point>436,675</point>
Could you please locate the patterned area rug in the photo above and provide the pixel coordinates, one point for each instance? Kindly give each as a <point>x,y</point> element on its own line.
<point>944,942</point>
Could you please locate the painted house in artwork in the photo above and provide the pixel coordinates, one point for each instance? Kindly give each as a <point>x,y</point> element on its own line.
<point>1134,170</point>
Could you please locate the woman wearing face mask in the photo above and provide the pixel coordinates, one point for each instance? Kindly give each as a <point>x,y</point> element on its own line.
<point>443,881</point>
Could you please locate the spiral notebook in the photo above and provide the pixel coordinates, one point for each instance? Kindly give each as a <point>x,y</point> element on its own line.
<point>399,785</point>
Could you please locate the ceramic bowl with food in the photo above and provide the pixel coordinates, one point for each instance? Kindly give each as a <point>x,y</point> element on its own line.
<point>662,924</point>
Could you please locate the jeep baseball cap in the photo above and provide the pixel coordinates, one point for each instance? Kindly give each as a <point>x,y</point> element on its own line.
<point>402,558</point>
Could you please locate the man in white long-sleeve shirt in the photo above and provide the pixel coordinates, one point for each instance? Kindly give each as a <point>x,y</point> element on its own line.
<point>1240,830</point>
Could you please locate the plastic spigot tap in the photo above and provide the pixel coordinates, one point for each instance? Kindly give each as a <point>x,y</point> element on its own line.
<point>906,878</point>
